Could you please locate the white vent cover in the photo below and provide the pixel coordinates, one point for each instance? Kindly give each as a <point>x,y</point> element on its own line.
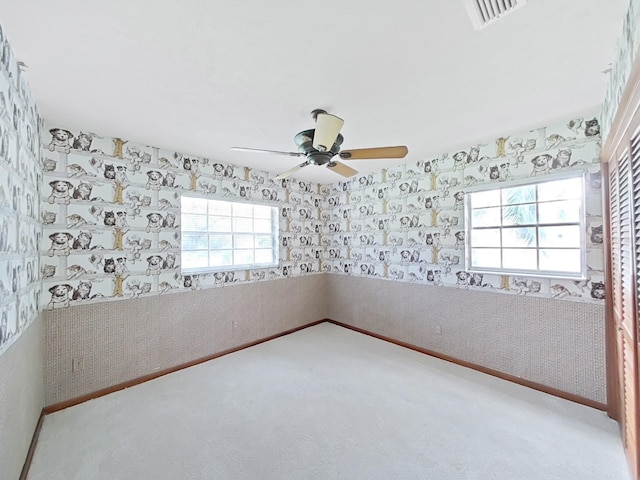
<point>485,12</point>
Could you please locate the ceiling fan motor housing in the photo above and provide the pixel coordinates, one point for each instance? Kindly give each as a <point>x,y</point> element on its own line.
<point>304,141</point>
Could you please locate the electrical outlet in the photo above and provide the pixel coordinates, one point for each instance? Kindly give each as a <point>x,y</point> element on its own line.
<point>438,330</point>
<point>235,324</point>
<point>77,364</point>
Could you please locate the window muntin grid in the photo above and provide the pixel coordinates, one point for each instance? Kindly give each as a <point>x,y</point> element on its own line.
<point>534,228</point>
<point>221,235</point>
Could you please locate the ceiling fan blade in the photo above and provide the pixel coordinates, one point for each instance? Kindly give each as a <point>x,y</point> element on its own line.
<point>370,153</point>
<point>291,171</point>
<point>342,169</point>
<point>327,130</point>
<point>260,150</point>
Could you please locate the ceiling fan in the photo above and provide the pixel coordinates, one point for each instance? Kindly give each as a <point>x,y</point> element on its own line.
<point>321,144</point>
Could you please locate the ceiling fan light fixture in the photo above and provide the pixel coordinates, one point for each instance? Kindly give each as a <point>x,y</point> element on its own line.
<point>327,130</point>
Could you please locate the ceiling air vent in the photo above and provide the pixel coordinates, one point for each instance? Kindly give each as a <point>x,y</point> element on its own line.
<point>484,12</point>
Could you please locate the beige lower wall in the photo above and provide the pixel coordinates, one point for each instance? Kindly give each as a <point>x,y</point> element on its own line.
<point>123,340</point>
<point>556,343</point>
<point>21,398</point>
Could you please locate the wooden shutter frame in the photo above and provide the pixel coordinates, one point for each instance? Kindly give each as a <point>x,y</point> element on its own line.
<point>613,400</point>
<point>626,121</point>
<point>625,128</point>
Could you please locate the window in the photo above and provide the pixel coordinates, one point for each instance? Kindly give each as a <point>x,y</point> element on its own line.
<point>221,235</point>
<point>534,228</point>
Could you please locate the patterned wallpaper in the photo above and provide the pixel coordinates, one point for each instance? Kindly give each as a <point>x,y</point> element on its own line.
<point>406,223</point>
<point>20,180</point>
<point>626,52</point>
<point>111,214</point>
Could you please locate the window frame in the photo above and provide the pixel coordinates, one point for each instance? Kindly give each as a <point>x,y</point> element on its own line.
<point>551,274</point>
<point>275,233</point>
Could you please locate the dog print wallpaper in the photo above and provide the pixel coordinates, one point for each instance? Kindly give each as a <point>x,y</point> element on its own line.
<point>407,223</point>
<point>110,210</point>
<point>111,215</point>
<point>20,180</point>
<point>620,71</point>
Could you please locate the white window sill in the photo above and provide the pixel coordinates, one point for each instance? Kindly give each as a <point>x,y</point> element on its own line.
<point>228,268</point>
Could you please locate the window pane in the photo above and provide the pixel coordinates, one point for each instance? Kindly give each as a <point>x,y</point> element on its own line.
<point>194,259</point>
<point>264,256</point>
<point>485,257</point>
<point>219,224</point>
<point>264,241</point>
<point>516,195</point>
<point>560,189</point>
<point>218,242</point>
<point>559,236</point>
<point>243,241</point>
<point>511,228</point>
<point>194,242</point>
<point>194,223</point>
<point>242,210</point>
<point>217,207</point>
<point>519,215</point>
<point>520,258</point>
<point>261,211</point>
<point>559,212</point>
<point>485,217</point>
<point>220,258</point>
<point>242,225</point>
<point>489,198</point>
<point>242,257</point>
<point>263,226</point>
<point>519,237</point>
<point>224,234</point>
<point>486,237</point>
<point>560,260</point>
<point>194,205</point>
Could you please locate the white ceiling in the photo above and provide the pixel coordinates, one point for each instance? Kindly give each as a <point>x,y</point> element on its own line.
<point>200,76</point>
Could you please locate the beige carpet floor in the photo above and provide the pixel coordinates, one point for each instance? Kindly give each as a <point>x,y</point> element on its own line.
<point>328,403</point>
